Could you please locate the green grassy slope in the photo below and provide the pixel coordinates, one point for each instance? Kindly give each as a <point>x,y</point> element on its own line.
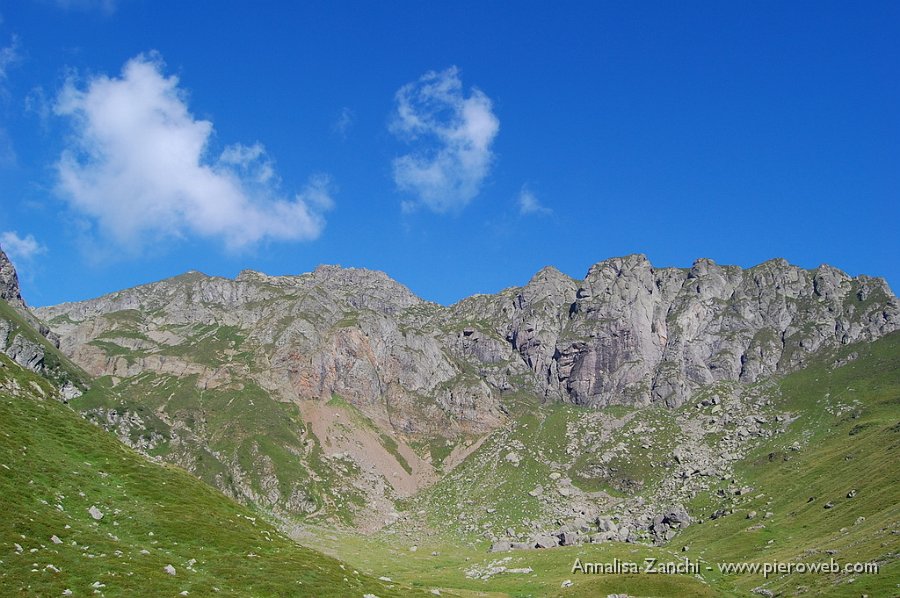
<point>54,467</point>
<point>847,437</point>
<point>225,429</point>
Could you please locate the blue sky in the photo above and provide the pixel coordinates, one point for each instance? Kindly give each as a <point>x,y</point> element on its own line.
<point>457,146</point>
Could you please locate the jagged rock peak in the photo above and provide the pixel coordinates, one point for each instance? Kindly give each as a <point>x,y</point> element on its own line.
<point>9,282</point>
<point>336,271</point>
<point>550,284</point>
<point>372,289</point>
<point>620,265</point>
<point>702,266</point>
<point>253,276</point>
<point>11,293</point>
<point>549,272</point>
<point>25,351</point>
<point>322,273</point>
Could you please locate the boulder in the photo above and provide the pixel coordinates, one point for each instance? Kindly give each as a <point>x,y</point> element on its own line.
<point>501,546</point>
<point>546,542</point>
<point>605,524</point>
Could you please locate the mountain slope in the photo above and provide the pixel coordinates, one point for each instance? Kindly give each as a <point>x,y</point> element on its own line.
<point>827,490</point>
<point>55,468</point>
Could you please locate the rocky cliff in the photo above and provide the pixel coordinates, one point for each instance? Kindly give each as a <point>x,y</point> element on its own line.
<point>9,282</point>
<point>25,339</point>
<point>630,333</point>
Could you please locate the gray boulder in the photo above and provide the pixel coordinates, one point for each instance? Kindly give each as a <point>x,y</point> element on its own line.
<point>546,542</point>
<point>501,546</point>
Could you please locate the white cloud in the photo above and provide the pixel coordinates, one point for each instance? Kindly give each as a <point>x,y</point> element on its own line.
<point>251,160</point>
<point>453,133</point>
<point>20,249</point>
<point>138,168</point>
<point>529,204</point>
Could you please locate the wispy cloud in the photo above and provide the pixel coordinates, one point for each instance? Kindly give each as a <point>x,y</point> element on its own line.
<point>8,155</point>
<point>20,249</point>
<point>36,103</point>
<point>9,55</point>
<point>344,122</point>
<point>137,168</point>
<point>452,135</point>
<point>529,203</point>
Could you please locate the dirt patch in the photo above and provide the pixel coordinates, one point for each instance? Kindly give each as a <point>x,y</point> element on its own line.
<point>339,432</point>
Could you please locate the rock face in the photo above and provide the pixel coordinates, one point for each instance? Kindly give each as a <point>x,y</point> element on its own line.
<point>9,283</point>
<point>19,328</point>
<point>25,352</point>
<point>632,334</point>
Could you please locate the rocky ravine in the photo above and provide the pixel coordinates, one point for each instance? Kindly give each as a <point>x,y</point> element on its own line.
<point>411,378</point>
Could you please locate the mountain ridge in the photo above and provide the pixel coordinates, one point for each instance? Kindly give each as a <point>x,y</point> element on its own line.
<point>425,382</point>
<point>626,332</point>
<point>249,274</point>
